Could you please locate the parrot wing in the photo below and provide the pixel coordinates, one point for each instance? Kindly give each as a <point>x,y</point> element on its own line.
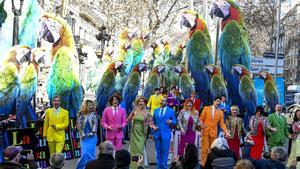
<point>151,83</point>
<point>199,54</point>
<point>233,49</point>
<point>105,89</point>
<point>186,85</point>
<point>3,13</point>
<point>217,86</point>
<point>63,79</point>
<point>28,85</point>
<point>271,95</point>
<point>9,88</point>
<point>131,89</point>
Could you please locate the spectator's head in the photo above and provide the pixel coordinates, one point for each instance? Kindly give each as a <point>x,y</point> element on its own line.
<point>140,102</point>
<point>122,158</point>
<point>56,101</point>
<point>223,98</point>
<point>217,101</point>
<point>107,147</point>
<point>278,108</point>
<point>259,110</point>
<point>115,100</point>
<point>234,109</point>
<point>244,164</point>
<point>220,143</point>
<point>278,154</point>
<point>12,153</point>
<point>297,115</point>
<point>190,156</point>
<point>57,161</point>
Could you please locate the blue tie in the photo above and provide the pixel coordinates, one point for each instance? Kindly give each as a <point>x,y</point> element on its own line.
<point>161,113</point>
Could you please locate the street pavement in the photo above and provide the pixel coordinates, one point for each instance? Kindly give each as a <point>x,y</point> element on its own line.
<point>71,164</point>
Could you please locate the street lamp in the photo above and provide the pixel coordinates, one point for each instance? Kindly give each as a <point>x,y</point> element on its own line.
<point>17,13</point>
<point>103,37</point>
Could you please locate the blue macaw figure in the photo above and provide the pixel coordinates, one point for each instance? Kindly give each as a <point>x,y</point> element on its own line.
<point>132,85</point>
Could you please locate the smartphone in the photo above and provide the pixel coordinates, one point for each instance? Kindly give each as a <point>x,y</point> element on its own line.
<point>134,158</point>
<point>25,152</point>
<point>298,158</point>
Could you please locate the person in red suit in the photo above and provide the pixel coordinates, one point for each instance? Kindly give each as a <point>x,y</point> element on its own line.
<point>196,101</point>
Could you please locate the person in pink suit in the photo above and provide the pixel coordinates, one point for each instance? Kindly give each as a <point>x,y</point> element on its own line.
<point>113,120</point>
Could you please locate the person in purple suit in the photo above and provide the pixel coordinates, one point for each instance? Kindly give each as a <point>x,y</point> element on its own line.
<point>113,120</point>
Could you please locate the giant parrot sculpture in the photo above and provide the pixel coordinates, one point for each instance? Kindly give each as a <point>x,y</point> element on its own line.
<point>28,85</point>
<point>64,72</point>
<point>217,83</point>
<point>185,84</point>
<point>246,91</point>
<point>9,78</point>
<point>132,85</point>
<point>153,80</point>
<point>199,53</point>
<point>106,87</point>
<point>233,45</point>
<point>270,90</point>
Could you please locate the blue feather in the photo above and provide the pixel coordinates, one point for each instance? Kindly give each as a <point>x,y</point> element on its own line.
<point>131,89</point>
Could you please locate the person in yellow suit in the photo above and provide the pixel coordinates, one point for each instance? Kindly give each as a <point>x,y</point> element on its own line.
<point>154,100</point>
<point>56,121</point>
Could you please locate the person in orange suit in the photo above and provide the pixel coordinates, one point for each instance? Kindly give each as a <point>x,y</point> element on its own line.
<point>210,117</point>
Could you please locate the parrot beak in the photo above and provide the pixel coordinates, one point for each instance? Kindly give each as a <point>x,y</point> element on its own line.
<point>237,69</point>
<point>220,9</point>
<point>262,74</point>
<point>142,67</point>
<point>118,65</point>
<point>23,55</point>
<point>147,36</point>
<point>161,68</point>
<point>39,56</point>
<point>209,68</point>
<point>177,69</point>
<point>128,46</point>
<point>183,46</point>
<point>133,35</point>
<point>50,30</point>
<point>185,22</point>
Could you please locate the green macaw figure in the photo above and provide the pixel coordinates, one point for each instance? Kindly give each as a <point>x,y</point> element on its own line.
<point>185,84</point>
<point>199,53</point>
<point>246,91</point>
<point>270,90</point>
<point>217,83</point>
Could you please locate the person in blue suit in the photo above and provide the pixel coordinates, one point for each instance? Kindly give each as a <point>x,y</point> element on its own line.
<point>163,119</point>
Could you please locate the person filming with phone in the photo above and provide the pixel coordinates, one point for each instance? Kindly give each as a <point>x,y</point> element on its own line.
<point>123,160</point>
<point>15,157</point>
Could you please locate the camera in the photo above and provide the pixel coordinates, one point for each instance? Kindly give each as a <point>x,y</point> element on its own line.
<point>135,158</point>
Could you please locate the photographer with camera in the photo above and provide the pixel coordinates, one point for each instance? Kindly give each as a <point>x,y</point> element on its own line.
<point>15,156</point>
<point>123,160</point>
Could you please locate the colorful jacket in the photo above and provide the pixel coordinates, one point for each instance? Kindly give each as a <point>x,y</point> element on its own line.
<point>253,123</point>
<point>83,119</point>
<point>233,124</point>
<point>183,119</point>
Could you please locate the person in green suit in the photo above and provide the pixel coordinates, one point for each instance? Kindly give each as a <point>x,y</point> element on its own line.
<point>278,121</point>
